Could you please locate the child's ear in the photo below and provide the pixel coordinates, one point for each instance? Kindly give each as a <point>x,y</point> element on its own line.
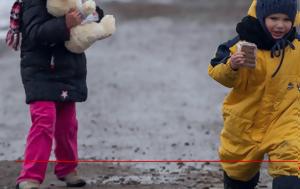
<point>252,9</point>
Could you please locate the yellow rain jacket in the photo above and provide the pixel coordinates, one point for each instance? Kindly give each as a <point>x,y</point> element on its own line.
<point>261,114</point>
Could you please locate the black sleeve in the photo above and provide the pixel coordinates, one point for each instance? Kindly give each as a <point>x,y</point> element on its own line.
<point>43,28</point>
<point>223,52</point>
<point>100,13</point>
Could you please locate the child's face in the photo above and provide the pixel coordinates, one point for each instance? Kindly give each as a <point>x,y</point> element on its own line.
<point>278,25</point>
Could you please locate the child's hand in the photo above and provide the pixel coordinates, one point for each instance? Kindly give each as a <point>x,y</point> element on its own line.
<point>73,18</point>
<point>238,60</point>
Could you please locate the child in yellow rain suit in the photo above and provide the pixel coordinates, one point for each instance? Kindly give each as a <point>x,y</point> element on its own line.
<point>262,111</point>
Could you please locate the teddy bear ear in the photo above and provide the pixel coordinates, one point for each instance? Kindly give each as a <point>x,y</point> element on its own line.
<point>252,9</point>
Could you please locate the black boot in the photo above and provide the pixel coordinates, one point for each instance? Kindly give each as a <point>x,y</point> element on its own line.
<point>286,182</point>
<point>230,183</point>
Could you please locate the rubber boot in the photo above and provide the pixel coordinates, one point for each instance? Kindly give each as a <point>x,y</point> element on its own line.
<point>286,182</point>
<point>230,183</point>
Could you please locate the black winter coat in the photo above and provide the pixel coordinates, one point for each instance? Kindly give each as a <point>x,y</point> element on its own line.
<point>49,71</point>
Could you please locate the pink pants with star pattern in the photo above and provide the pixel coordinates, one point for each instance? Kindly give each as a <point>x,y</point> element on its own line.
<point>56,122</point>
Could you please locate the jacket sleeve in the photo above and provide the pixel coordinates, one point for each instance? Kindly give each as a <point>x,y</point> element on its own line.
<point>219,68</point>
<point>41,27</point>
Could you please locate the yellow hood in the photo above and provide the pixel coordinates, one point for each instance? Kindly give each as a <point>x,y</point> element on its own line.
<point>252,12</point>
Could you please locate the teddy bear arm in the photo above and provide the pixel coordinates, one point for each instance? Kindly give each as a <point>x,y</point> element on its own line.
<point>83,36</point>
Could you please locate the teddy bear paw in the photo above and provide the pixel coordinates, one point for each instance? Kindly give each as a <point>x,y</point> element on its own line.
<point>109,24</point>
<point>89,7</point>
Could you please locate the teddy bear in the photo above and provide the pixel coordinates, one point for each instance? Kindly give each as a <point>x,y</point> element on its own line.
<point>85,34</point>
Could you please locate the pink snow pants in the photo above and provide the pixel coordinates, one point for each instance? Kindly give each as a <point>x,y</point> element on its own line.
<point>50,120</point>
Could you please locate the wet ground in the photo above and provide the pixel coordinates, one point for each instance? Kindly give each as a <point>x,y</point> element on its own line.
<point>117,176</point>
<point>149,99</point>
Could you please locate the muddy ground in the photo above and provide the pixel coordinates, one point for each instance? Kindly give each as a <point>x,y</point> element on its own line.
<point>117,176</point>
<point>149,99</point>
